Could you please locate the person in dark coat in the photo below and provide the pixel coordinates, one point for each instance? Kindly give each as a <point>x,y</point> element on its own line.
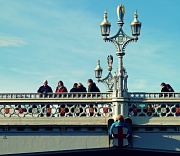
<point>74,89</point>
<point>92,86</point>
<point>81,88</point>
<point>45,88</point>
<point>164,87</point>
<point>169,88</point>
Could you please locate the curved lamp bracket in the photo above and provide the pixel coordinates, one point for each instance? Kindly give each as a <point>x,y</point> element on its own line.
<point>120,40</point>
<point>108,81</point>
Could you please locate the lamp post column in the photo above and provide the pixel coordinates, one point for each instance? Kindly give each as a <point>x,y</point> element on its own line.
<point>120,74</point>
<point>120,40</point>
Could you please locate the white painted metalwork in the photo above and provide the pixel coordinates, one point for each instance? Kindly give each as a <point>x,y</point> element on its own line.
<point>92,105</point>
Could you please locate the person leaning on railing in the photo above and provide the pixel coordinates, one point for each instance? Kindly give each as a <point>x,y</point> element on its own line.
<point>74,89</point>
<point>169,88</point>
<point>81,88</point>
<point>44,89</point>
<point>164,89</point>
<point>120,122</point>
<point>92,86</point>
<point>60,87</point>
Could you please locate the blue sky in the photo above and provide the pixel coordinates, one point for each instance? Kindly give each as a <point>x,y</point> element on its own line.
<point>61,40</point>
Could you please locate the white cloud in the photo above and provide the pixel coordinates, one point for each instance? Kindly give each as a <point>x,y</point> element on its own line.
<point>24,72</point>
<point>11,41</point>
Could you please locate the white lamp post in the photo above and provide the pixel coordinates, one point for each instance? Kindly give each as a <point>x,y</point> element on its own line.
<point>120,40</point>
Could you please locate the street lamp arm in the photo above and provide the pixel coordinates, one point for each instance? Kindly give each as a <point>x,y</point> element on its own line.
<point>120,40</point>
<point>108,81</point>
<point>117,34</point>
<point>127,42</point>
<point>113,41</point>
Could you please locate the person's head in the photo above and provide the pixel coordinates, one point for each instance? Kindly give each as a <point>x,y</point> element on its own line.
<point>60,83</point>
<point>119,118</point>
<point>163,84</point>
<point>75,85</point>
<point>45,82</point>
<point>80,84</point>
<point>89,81</point>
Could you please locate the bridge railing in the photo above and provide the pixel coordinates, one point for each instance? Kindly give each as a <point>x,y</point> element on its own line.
<point>55,95</point>
<point>144,95</point>
<point>55,104</point>
<point>93,108</point>
<point>154,108</point>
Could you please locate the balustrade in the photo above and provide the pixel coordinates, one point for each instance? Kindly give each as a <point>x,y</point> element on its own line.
<point>142,95</point>
<point>89,105</point>
<point>55,95</point>
<point>54,105</point>
<point>154,109</point>
<point>56,110</point>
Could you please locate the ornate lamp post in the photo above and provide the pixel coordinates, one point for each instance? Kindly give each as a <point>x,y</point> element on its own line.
<point>120,40</point>
<point>110,80</point>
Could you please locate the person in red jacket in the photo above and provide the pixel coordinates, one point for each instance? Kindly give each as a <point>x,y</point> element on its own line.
<point>61,88</point>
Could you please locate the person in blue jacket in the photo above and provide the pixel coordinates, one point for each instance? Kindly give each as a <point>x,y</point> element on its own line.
<point>120,122</point>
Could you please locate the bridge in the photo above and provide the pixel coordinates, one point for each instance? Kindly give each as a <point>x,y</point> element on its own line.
<point>33,122</point>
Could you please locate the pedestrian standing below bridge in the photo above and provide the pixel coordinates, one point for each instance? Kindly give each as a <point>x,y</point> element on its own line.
<point>120,122</point>
<point>120,130</point>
